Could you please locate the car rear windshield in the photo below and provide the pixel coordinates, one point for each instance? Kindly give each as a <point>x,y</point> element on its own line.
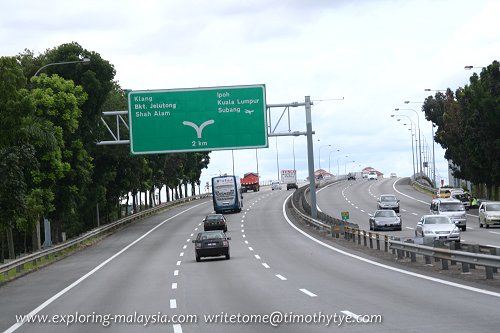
<point>214,217</point>
<point>388,198</point>
<point>211,235</point>
<point>451,206</point>
<point>437,220</point>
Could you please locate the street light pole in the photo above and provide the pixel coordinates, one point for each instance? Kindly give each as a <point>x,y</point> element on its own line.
<point>319,155</point>
<point>419,141</point>
<point>329,155</point>
<point>84,61</point>
<point>411,137</point>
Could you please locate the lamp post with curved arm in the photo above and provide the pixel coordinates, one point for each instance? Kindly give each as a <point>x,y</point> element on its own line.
<point>319,155</point>
<point>419,142</point>
<point>81,61</point>
<point>411,129</point>
<point>329,155</point>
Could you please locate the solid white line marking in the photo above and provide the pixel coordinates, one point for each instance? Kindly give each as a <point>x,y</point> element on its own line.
<point>176,272</point>
<point>421,276</point>
<point>178,263</point>
<point>265,265</point>
<point>257,257</point>
<point>494,232</point>
<point>281,277</point>
<point>177,328</point>
<point>174,285</point>
<point>173,304</point>
<point>307,292</point>
<point>42,306</point>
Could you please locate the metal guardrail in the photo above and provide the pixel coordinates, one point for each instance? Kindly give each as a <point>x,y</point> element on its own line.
<point>491,263</point>
<point>469,255</point>
<point>18,264</point>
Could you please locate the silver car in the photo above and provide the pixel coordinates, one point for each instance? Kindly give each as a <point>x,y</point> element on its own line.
<point>437,227</point>
<point>388,201</point>
<point>385,220</point>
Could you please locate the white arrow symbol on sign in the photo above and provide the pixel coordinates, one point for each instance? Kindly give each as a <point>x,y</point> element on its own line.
<point>196,128</point>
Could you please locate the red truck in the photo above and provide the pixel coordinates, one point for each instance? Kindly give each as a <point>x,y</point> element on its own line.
<point>250,181</point>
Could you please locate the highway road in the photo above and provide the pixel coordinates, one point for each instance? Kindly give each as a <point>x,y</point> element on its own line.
<point>359,198</point>
<point>147,271</point>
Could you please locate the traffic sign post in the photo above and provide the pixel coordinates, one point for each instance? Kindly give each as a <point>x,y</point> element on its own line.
<point>197,119</point>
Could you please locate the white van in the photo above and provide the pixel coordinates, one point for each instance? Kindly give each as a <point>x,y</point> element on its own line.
<point>452,208</point>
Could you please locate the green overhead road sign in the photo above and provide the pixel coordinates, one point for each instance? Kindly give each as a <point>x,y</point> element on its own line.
<point>197,119</point>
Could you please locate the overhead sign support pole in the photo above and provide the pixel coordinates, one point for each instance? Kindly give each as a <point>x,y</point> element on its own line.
<point>310,157</point>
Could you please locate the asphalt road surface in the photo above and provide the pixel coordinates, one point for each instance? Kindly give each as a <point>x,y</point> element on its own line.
<point>278,279</point>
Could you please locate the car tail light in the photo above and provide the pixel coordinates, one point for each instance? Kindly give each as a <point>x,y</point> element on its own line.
<point>225,243</point>
<point>197,245</point>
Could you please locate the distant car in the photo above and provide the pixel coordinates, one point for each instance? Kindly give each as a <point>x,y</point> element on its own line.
<point>372,175</point>
<point>291,185</point>
<point>351,176</point>
<point>385,220</point>
<point>388,201</point>
<point>489,213</point>
<point>444,192</point>
<point>276,186</point>
<point>463,197</point>
<point>393,175</point>
<point>437,227</point>
<point>215,222</point>
<point>213,243</point>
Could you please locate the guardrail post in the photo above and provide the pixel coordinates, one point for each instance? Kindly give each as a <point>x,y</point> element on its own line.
<point>453,246</point>
<point>386,244</point>
<point>444,264</point>
<point>401,254</point>
<point>413,257</point>
<point>428,260</point>
<point>377,239</point>
<point>489,272</point>
<point>370,239</point>
<point>359,237</point>
<point>465,268</point>
<point>474,248</point>
<point>364,238</point>
<point>495,252</point>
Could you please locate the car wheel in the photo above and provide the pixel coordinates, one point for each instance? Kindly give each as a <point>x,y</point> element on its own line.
<point>464,228</point>
<point>198,259</point>
<point>480,224</point>
<point>228,256</point>
<point>487,226</point>
<point>416,233</point>
<point>225,229</point>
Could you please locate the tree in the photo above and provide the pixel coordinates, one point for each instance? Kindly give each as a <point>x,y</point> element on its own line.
<point>468,127</point>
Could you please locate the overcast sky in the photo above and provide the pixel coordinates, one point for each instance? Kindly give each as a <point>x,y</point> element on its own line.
<point>358,60</point>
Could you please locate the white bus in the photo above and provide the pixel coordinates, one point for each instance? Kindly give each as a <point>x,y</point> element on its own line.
<point>226,194</point>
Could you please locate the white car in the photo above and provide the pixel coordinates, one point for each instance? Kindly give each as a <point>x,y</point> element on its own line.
<point>489,213</point>
<point>437,227</point>
<point>275,186</point>
<point>372,175</point>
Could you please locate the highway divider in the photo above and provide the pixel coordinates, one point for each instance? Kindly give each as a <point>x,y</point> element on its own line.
<point>449,253</point>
